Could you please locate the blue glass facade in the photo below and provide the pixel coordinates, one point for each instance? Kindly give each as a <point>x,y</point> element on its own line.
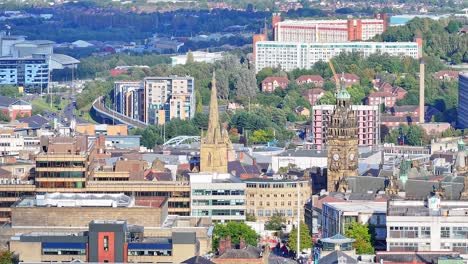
<point>31,73</point>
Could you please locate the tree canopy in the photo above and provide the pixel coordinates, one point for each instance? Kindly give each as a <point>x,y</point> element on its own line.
<point>276,222</point>
<point>236,230</point>
<point>360,232</point>
<point>305,239</point>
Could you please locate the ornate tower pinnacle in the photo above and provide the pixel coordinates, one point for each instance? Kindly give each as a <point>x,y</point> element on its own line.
<point>215,143</point>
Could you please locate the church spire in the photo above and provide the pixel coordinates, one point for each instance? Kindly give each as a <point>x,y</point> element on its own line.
<point>215,143</point>
<point>213,134</point>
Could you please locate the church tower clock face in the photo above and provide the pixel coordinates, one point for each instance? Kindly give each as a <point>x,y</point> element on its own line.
<point>336,157</point>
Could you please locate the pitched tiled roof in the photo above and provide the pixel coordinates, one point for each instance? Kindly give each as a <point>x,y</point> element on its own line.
<point>249,252</point>
<point>241,168</point>
<point>275,78</point>
<point>316,91</point>
<point>34,121</point>
<point>6,101</point>
<point>197,260</point>
<point>336,257</point>
<point>381,94</point>
<point>305,78</point>
<point>405,108</point>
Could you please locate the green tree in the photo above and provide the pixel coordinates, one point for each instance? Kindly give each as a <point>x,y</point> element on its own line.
<point>357,94</point>
<point>416,135</point>
<point>190,58</point>
<point>4,117</point>
<point>198,101</point>
<point>236,230</point>
<point>327,98</point>
<point>7,257</point>
<point>250,217</point>
<point>275,222</point>
<point>305,240</point>
<point>453,26</point>
<point>360,232</point>
<point>9,91</point>
<point>261,136</point>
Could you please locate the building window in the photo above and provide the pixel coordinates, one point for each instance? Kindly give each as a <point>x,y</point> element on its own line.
<point>106,243</point>
<point>252,203</point>
<point>267,213</point>
<point>260,212</point>
<point>425,232</point>
<point>445,232</point>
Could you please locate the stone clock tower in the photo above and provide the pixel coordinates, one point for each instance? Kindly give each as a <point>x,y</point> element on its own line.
<point>342,143</point>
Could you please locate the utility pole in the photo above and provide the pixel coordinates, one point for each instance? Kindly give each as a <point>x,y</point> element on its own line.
<point>298,249</point>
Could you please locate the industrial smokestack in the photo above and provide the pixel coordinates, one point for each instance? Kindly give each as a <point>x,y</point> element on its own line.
<point>421,91</point>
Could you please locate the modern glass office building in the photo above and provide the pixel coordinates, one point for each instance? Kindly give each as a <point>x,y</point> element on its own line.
<point>31,73</point>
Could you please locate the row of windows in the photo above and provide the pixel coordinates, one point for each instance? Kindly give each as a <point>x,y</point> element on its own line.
<point>268,212</point>
<point>260,203</point>
<point>62,174</point>
<point>218,192</point>
<point>409,246</point>
<point>61,251</point>
<point>60,164</point>
<point>150,252</point>
<point>460,232</point>
<point>203,212</point>
<point>218,202</point>
<point>274,195</point>
<point>273,185</point>
<point>410,232</point>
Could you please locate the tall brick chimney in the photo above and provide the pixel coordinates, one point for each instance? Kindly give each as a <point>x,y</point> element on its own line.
<point>421,91</point>
<point>242,244</point>
<point>228,243</point>
<point>221,246</point>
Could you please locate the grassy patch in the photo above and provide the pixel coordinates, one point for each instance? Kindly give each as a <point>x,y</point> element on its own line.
<point>40,103</point>
<point>86,116</point>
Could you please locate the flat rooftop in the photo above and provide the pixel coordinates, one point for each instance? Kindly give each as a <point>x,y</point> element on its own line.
<point>422,208</point>
<point>360,206</point>
<point>76,200</point>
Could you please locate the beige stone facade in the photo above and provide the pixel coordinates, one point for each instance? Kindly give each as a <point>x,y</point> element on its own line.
<point>82,216</point>
<point>267,197</point>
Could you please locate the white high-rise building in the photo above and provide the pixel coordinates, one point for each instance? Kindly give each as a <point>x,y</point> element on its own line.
<point>301,55</point>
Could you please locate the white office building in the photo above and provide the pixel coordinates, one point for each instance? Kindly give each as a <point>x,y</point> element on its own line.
<point>219,195</point>
<point>297,55</point>
<point>335,217</point>
<point>431,225</point>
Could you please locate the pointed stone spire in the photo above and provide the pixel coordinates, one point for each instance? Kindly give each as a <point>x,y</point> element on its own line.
<point>265,29</point>
<point>215,143</point>
<point>213,134</point>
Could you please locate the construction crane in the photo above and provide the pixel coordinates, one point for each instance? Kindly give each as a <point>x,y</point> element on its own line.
<point>337,80</point>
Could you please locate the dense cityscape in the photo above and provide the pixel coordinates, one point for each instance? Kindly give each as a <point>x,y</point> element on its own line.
<point>247,131</point>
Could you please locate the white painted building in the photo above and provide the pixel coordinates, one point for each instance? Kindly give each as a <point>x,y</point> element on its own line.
<point>198,56</point>
<point>301,55</point>
<point>335,216</point>
<point>303,159</point>
<point>11,143</point>
<point>221,196</point>
<point>432,225</point>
